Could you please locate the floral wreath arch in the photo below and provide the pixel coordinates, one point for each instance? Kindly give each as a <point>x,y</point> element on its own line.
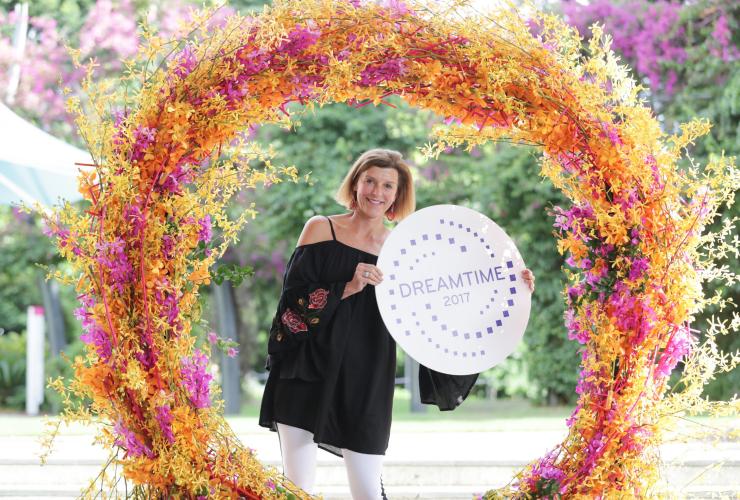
<point>172,154</point>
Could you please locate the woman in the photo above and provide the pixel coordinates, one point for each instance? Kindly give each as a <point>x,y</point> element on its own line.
<point>332,361</point>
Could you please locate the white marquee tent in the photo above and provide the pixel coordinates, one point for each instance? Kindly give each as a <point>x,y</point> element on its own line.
<point>34,165</point>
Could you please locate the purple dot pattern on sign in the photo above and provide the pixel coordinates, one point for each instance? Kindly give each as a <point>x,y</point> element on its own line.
<point>463,249</point>
<point>414,242</point>
<point>498,322</point>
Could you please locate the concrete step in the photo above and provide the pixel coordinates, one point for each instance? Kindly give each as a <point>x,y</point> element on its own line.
<point>423,461</point>
<point>393,493</point>
<point>402,479</point>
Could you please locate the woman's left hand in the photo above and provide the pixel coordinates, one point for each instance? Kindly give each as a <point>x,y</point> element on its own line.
<point>528,277</point>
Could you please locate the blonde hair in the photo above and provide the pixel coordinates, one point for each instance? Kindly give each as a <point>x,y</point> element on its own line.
<point>405,202</point>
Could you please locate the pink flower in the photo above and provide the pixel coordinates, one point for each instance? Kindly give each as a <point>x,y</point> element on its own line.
<point>638,268</point>
<point>130,442</point>
<point>635,438</point>
<point>182,174</point>
<point>205,233</point>
<point>112,257</point>
<point>575,291</point>
<point>678,346</point>
<point>396,7</point>
<point>232,352</point>
<point>545,469</point>
<point>99,339</point>
<point>575,330</point>
<point>168,245</point>
<point>594,276</point>
<point>185,62</point>
<point>132,213</point>
<point>573,416</point>
<point>143,138</point>
<point>388,70</point>
<point>196,379</point>
<point>93,334</point>
<point>299,40</point>
<point>610,132</point>
<point>169,306</point>
<point>212,337</point>
<point>164,418</point>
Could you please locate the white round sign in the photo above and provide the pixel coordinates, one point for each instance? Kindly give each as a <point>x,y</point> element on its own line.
<point>452,294</point>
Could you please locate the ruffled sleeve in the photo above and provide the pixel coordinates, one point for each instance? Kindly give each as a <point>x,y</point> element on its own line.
<point>306,307</point>
<point>445,391</point>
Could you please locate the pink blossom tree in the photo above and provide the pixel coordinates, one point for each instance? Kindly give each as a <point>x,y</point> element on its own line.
<point>108,33</point>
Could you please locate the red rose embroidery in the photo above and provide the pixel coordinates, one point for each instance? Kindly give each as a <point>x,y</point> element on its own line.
<point>293,321</point>
<point>317,299</point>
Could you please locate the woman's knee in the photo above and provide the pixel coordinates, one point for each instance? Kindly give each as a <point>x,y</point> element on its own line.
<point>364,475</point>
<point>299,456</point>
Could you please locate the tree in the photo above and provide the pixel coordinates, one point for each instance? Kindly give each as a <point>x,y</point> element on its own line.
<point>498,180</point>
<point>686,54</point>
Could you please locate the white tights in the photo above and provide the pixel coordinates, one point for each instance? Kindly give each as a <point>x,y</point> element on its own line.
<point>299,464</point>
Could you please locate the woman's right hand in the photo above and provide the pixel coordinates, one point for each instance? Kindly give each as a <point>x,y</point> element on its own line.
<point>365,274</point>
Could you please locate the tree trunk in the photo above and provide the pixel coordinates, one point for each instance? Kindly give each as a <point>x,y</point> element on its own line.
<point>411,374</point>
<point>228,329</point>
<point>54,317</point>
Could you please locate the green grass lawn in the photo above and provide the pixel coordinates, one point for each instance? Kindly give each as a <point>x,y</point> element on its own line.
<point>474,415</point>
<point>472,409</point>
<point>474,412</point>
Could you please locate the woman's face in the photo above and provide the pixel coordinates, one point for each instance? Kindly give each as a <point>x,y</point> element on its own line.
<point>376,190</point>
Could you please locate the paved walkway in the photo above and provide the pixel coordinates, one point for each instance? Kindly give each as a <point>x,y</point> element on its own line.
<point>425,459</point>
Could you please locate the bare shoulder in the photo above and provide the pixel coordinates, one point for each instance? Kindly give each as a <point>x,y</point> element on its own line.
<point>315,230</point>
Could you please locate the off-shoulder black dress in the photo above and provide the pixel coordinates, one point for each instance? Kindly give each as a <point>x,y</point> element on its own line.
<point>332,362</point>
